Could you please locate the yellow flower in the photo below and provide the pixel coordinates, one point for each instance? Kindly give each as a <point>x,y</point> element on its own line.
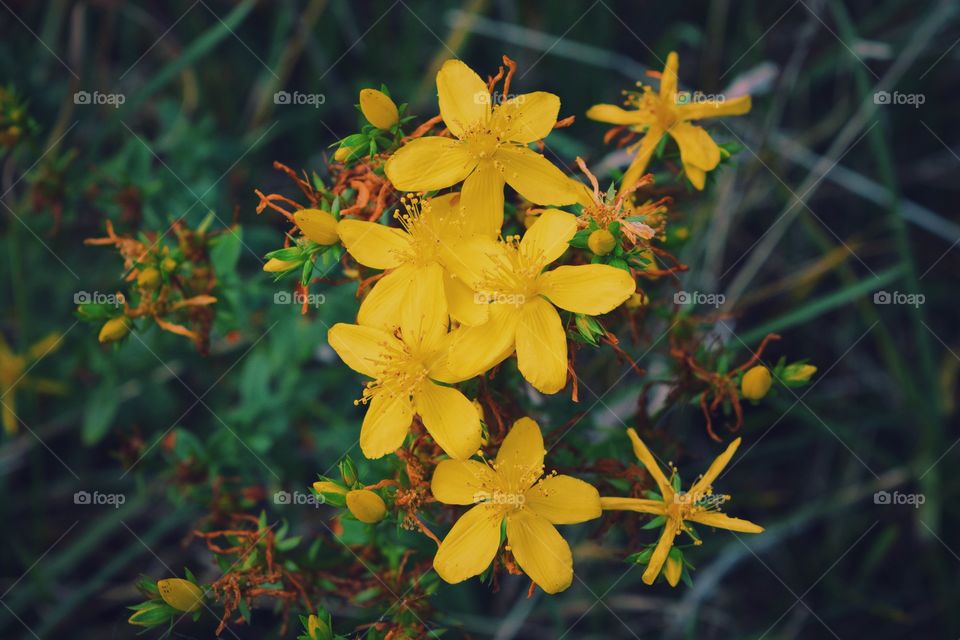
<point>698,505</point>
<point>378,109</point>
<point>671,113</point>
<point>510,276</point>
<point>317,225</point>
<point>404,371</point>
<point>414,257</point>
<point>512,489</point>
<point>366,506</point>
<point>755,383</point>
<point>13,376</point>
<point>180,594</point>
<point>489,148</point>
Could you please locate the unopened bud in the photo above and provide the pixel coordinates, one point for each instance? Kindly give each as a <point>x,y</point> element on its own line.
<point>756,383</point>
<point>601,242</point>
<point>378,109</point>
<point>366,506</point>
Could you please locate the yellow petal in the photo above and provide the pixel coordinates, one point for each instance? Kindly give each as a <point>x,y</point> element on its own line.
<point>180,594</point>
<point>519,462</point>
<point>362,348</point>
<point>720,462</point>
<point>527,117</point>
<point>381,308</point>
<point>542,346</point>
<point>385,425</point>
<point>317,225</point>
<point>723,521</point>
<point>660,552</point>
<point>644,151</point>
<point>548,237</point>
<point>540,550</point>
<point>696,176</point>
<point>482,201</point>
<point>563,500</point>
<point>672,570</point>
<point>475,350</point>
<point>639,505</point>
<point>612,114</point>
<point>697,148</point>
<point>430,163</point>
<point>669,78</point>
<point>423,316</point>
<point>462,302</point>
<point>646,458</point>
<point>470,546</point>
<point>366,506</point>
<point>378,109</point>
<point>450,418</point>
<point>536,178</point>
<point>714,109</point>
<point>463,96</point>
<point>592,289</point>
<point>374,245</point>
<point>473,260</point>
<point>275,265</point>
<point>462,482</point>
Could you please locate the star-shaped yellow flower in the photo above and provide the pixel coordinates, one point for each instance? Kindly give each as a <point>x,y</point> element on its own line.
<point>512,489</point>
<point>669,112</point>
<point>698,505</point>
<point>522,296</point>
<point>13,376</point>
<point>405,372</point>
<point>489,148</point>
<point>414,257</point>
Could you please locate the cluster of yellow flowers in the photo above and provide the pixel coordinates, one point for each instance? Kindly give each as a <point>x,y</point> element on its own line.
<point>457,298</point>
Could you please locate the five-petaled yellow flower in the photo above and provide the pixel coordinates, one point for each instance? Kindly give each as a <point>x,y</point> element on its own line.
<point>414,257</point>
<point>489,148</point>
<point>405,372</point>
<point>698,505</point>
<point>512,489</point>
<point>510,276</point>
<point>670,112</point>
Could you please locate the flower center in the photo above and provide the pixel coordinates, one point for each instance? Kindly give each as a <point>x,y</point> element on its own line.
<point>513,277</point>
<point>422,226</point>
<point>399,372</point>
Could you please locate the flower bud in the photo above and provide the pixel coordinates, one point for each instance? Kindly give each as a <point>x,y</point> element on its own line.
<point>114,329</point>
<point>366,506</point>
<point>149,278</point>
<point>274,265</point>
<point>756,383</point>
<point>150,614</point>
<point>326,486</point>
<point>378,109</point>
<point>672,570</point>
<point>601,242</point>
<point>318,629</point>
<point>317,225</point>
<point>169,264</point>
<point>342,153</point>
<point>180,594</point>
<point>798,372</point>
